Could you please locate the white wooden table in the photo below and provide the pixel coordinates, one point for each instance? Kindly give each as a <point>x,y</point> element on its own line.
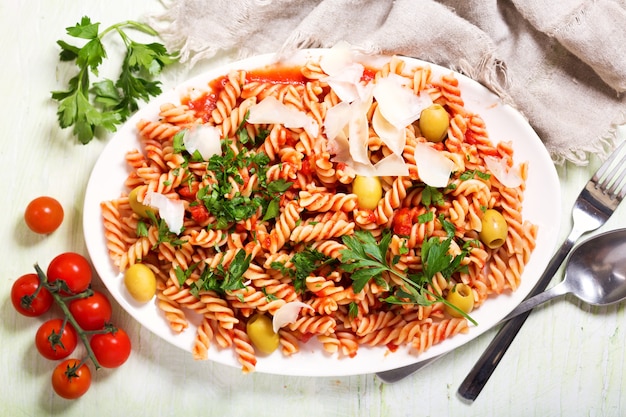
<point>569,358</point>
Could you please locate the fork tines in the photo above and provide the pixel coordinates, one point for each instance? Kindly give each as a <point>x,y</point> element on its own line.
<point>611,177</point>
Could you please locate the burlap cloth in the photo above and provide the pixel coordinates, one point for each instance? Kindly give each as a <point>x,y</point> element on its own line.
<point>562,64</point>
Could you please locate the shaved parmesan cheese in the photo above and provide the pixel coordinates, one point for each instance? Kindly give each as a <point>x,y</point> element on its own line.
<point>288,313</point>
<point>364,170</point>
<point>432,166</point>
<point>393,137</point>
<point>337,118</point>
<point>347,83</point>
<point>205,139</point>
<point>397,103</point>
<point>337,58</point>
<point>392,166</point>
<point>171,211</point>
<point>358,135</point>
<point>508,176</point>
<point>340,148</point>
<point>272,111</point>
<point>351,147</point>
<point>344,74</point>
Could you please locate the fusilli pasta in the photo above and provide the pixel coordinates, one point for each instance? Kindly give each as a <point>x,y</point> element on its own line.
<point>312,210</point>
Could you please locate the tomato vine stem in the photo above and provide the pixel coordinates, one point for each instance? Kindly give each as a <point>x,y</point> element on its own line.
<point>61,301</point>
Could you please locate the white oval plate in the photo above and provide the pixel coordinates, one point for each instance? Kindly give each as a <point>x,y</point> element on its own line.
<point>542,206</point>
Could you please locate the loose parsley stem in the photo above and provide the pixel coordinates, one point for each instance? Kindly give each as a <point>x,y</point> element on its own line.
<point>437,297</point>
<point>128,23</point>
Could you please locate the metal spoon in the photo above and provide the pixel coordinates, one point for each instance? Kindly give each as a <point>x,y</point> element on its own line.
<point>595,274</point>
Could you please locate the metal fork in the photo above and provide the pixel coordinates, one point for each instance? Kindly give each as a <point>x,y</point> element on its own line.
<point>595,204</point>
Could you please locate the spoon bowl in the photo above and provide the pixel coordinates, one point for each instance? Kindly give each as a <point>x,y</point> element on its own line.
<point>595,273</point>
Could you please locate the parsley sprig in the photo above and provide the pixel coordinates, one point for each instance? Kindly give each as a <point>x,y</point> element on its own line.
<point>366,258</point>
<point>222,279</point>
<point>226,168</point>
<point>304,263</point>
<point>86,106</point>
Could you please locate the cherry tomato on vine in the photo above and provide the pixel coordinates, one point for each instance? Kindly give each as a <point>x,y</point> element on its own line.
<point>72,268</point>
<point>71,379</point>
<point>43,215</point>
<point>23,300</point>
<point>93,312</point>
<point>54,341</point>
<point>111,349</point>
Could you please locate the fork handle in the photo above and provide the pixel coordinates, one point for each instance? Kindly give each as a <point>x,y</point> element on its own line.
<point>474,382</point>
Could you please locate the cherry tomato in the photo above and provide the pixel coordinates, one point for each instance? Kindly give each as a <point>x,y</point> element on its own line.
<point>54,343</point>
<point>199,213</point>
<point>403,222</point>
<point>43,215</point>
<point>93,312</point>
<point>72,268</point>
<point>70,379</point>
<point>111,349</point>
<point>22,296</point>
<point>189,191</point>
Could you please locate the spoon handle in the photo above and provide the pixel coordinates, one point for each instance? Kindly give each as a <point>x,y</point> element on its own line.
<point>486,364</point>
<point>530,303</point>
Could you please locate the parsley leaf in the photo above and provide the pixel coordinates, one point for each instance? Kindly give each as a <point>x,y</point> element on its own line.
<point>304,263</point>
<point>221,279</point>
<point>468,175</point>
<point>86,106</point>
<point>165,236</point>
<point>432,196</point>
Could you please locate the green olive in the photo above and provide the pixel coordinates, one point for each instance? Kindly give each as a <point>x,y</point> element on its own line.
<point>139,208</point>
<point>368,191</point>
<point>462,297</point>
<point>494,229</point>
<point>261,333</point>
<point>140,282</point>
<point>434,123</point>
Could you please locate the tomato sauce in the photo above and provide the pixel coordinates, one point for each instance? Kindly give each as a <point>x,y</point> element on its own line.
<point>203,105</point>
<point>206,103</point>
<point>392,347</point>
<point>276,75</point>
<point>368,74</point>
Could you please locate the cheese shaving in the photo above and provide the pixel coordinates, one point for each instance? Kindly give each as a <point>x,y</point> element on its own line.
<point>432,166</point>
<point>272,111</point>
<point>392,136</point>
<point>287,314</point>
<point>358,134</point>
<point>508,176</point>
<point>336,119</point>
<point>347,84</point>
<point>392,166</point>
<point>397,103</point>
<point>171,211</point>
<point>337,58</point>
<point>205,139</point>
